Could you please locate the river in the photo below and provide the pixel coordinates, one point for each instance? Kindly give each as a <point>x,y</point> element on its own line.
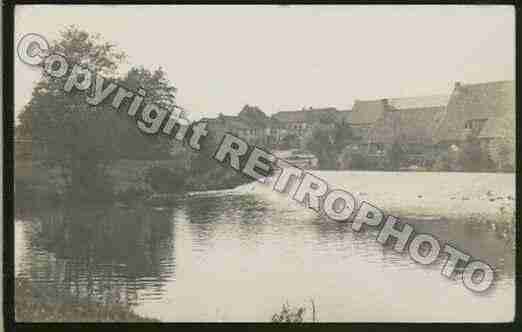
<point>238,255</point>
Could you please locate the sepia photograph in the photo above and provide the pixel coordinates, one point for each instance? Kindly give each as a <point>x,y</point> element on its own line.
<point>263,163</point>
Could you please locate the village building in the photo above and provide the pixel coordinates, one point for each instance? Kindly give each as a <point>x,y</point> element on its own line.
<point>423,127</point>
<point>301,120</point>
<point>281,129</point>
<point>411,124</point>
<point>483,111</point>
<point>300,123</point>
<point>364,115</point>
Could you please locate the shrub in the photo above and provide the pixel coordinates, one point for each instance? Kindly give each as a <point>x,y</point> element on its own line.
<point>292,315</point>
<point>289,315</point>
<point>132,194</point>
<point>164,180</point>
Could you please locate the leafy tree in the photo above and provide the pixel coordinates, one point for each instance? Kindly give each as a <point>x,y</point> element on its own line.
<point>396,156</point>
<point>164,180</point>
<point>327,143</point>
<point>81,140</point>
<point>78,138</point>
<point>253,115</point>
<point>504,147</point>
<point>473,158</point>
<point>133,144</point>
<point>289,141</point>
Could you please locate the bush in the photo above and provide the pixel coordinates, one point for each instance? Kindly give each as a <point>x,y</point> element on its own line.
<point>358,160</point>
<point>472,158</point>
<point>164,180</point>
<point>289,315</point>
<point>292,315</point>
<point>132,194</point>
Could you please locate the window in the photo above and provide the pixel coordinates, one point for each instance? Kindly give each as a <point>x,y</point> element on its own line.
<point>467,125</point>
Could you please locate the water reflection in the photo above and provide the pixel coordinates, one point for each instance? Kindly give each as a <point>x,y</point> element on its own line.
<point>239,256</point>
<point>100,253</point>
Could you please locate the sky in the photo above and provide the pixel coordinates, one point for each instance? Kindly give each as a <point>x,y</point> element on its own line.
<point>289,57</point>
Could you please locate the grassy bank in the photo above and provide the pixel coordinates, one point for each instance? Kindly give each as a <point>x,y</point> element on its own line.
<point>33,305</point>
<point>35,182</point>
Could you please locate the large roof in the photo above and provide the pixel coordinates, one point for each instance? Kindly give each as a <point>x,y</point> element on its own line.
<point>419,102</point>
<point>367,111</point>
<point>414,125</point>
<point>370,111</point>
<point>476,102</point>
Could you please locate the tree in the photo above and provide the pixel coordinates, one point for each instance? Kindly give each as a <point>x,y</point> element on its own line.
<point>83,140</point>
<point>78,138</point>
<point>503,148</point>
<point>395,155</point>
<point>473,158</point>
<point>133,144</point>
<point>327,142</point>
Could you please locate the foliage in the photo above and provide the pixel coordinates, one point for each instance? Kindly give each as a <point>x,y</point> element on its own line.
<point>253,115</point>
<point>80,140</point>
<point>165,180</point>
<point>293,315</point>
<point>133,144</point>
<point>290,141</point>
<point>468,157</point>
<point>289,314</point>
<point>133,194</point>
<point>396,155</point>
<point>472,158</point>
<point>327,142</point>
<point>34,305</point>
<point>357,160</point>
<point>505,154</point>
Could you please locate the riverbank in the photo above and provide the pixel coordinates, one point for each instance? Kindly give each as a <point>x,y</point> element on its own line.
<point>34,305</point>
<point>36,184</point>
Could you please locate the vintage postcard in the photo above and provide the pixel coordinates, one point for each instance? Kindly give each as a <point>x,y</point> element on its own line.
<point>190,163</point>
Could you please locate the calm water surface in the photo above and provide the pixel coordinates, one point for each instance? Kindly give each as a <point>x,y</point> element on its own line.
<point>238,255</point>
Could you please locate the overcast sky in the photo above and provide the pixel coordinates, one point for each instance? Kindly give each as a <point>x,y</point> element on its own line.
<point>286,58</point>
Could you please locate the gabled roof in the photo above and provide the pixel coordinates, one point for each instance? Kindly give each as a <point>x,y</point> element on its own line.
<point>367,111</point>
<point>413,125</point>
<point>419,102</point>
<point>475,102</point>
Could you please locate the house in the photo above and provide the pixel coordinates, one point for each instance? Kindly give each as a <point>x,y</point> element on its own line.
<point>299,124</point>
<point>483,111</point>
<point>298,121</point>
<point>410,122</point>
<point>250,124</point>
<point>471,106</point>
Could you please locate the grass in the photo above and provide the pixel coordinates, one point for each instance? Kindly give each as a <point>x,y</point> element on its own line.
<point>33,305</point>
